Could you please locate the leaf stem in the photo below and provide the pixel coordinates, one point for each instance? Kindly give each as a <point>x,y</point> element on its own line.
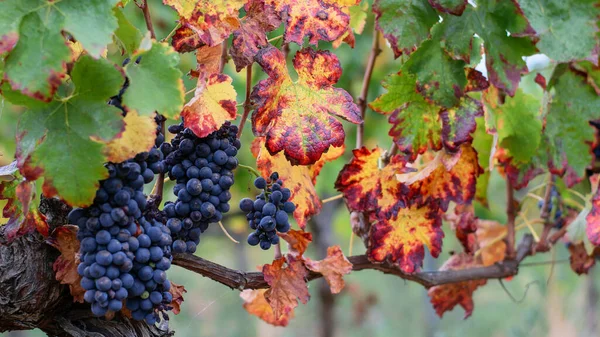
<point>246,101</point>
<point>362,99</point>
<point>251,169</point>
<point>275,38</point>
<point>172,32</point>
<point>227,233</point>
<point>147,18</point>
<point>330,199</point>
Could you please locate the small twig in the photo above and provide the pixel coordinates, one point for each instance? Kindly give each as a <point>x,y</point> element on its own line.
<point>543,263</point>
<point>246,101</point>
<point>510,225</point>
<point>330,199</point>
<point>364,92</point>
<point>172,32</point>
<point>147,18</point>
<point>227,233</point>
<point>529,225</point>
<point>224,57</point>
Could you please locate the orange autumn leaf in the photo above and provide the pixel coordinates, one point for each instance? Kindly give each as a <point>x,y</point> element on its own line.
<point>138,136</point>
<point>580,261</point>
<point>212,21</point>
<point>288,285</point>
<point>177,291</point>
<point>333,268</point>
<point>448,177</point>
<point>490,236</point>
<point>297,240</point>
<point>317,20</point>
<point>256,304</point>
<point>298,117</point>
<point>402,238</point>
<point>208,59</point>
<point>64,239</point>
<point>213,104</point>
<point>299,179</point>
<point>446,297</point>
<point>367,187</point>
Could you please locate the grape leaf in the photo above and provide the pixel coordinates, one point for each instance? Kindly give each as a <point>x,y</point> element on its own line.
<point>22,214</point>
<point>177,291</point>
<point>592,227</point>
<point>138,136</point>
<point>491,248</point>
<point>454,7</point>
<point>404,23</point>
<point>579,259</point>
<point>446,297</point>
<point>287,278</point>
<point>518,123</point>
<point>213,104</point>
<point>282,105</point>
<point>74,126</point>
<point>252,34</point>
<point>208,60</point>
<point>333,268</point>
<point>26,71</point>
<point>458,123</point>
<point>300,179</point>
<point>464,224</point>
<point>256,304</point>
<point>318,20</point>
<point>186,40</point>
<point>519,174</point>
<point>402,237</point>
<point>297,241</point>
<point>155,83</point>
<point>567,132</point>
<point>212,21</point>
<point>11,13</point>
<point>64,239</point>
<point>448,177</point>
<point>127,35</point>
<point>367,188</point>
<point>567,30</point>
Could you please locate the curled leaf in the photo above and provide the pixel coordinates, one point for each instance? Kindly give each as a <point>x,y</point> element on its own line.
<point>298,241</point>
<point>333,268</point>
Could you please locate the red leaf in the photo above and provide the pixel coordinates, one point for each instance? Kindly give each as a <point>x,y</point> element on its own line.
<point>333,268</point>
<point>64,239</point>
<point>22,214</point>
<point>288,285</point>
<point>177,291</point>
<point>581,262</point>
<point>446,297</point>
<point>298,241</point>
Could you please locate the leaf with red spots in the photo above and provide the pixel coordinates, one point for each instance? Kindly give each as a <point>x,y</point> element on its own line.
<point>448,177</point>
<point>296,117</point>
<point>401,238</point>
<point>446,297</point>
<point>64,239</point>
<point>333,268</point>
<point>297,241</point>
<point>208,60</point>
<point>213,104</point>
<point>300,179</point>
<point>287,279</point>
<point>256,304</point>
<point>318,20</point>
<point>207,22</point>
<point>454,7</point>
<point>252,34</point>
<point>366,187</point>
<point>580,261</point>
<point>177,291</point>
<point>21,209</point>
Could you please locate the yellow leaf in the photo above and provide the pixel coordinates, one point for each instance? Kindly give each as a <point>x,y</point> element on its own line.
<point>139,136</point>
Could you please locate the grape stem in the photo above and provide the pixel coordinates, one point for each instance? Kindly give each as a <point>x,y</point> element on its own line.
<point>227,233</point>
<point>250,169</point>
<point>247,103</point>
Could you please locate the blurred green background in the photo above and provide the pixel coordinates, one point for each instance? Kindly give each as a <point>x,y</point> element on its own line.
<point>543,300</point>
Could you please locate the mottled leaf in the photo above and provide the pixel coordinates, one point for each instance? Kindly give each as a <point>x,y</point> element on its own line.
<point>296,117</point>
<point>213,104</point>
<point>446,297</point>
<point>139,136</point>
<point>458,123</point>
<point>256,304</point>
<point>11,13</point>
<point>333,268</point>
<point>297,241</point>
<point>404,23</point>
<point>155,83</point>
<point>580,261</point>
<point>592,227</point>
<point>288,285</point>
<point>519,174</point>
<point>208,60</point>
<point>64,239</point>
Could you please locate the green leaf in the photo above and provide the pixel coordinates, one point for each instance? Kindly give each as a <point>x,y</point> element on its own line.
<point>74,127</point>
<point>439,77</point>
<point>11,13</point>
<point>404,23</point>
<point>38,62</point>
<point>454,7</point>
<point>568,133</point>
<point>155,83</point>
<point>127,34</point>
<point>17,98</point>
<point>91,22</point>
<point>519,125</point>
<point>482,142</point>
<point>566,28</point>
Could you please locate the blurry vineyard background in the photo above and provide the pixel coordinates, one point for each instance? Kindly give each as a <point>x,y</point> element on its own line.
<point>543,300</point>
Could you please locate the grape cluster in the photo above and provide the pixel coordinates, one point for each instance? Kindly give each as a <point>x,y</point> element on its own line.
<point>203,169</point>
<point>268,214</point>
<point>116,253</point>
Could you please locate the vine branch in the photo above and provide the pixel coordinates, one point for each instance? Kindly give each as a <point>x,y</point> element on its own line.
<point>241,280</point>
<point>511,212</point>
<point>147,18</point>
<point>246,101</point>
<point>362,99</point>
